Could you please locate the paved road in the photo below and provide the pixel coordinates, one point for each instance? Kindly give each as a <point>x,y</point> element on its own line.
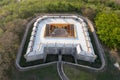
<point>60,68</point>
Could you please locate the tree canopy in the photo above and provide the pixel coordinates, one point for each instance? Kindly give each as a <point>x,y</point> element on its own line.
<point>108,29</point>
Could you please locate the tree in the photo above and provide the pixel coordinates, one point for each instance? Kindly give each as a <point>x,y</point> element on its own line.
<point>108,29</point>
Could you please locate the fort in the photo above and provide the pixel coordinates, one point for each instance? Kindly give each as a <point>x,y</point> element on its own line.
<point>66,34</point>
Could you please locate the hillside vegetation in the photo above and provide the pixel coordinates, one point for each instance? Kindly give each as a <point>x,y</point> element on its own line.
<point>108,29</point>
<point>15,15</point>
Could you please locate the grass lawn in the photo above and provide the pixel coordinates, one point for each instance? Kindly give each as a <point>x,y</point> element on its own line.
<point>44,73</point>
<point>75,74</point>
<point>111,73</point>
<point>50,73</point>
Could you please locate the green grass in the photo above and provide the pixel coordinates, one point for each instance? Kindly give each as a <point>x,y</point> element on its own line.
<point>75,74</point>
<point>110,73</point>
<point>50,73</point>
<point>44,73</point>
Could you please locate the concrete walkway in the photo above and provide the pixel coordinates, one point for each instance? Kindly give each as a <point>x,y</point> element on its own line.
<point>60,68</point>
